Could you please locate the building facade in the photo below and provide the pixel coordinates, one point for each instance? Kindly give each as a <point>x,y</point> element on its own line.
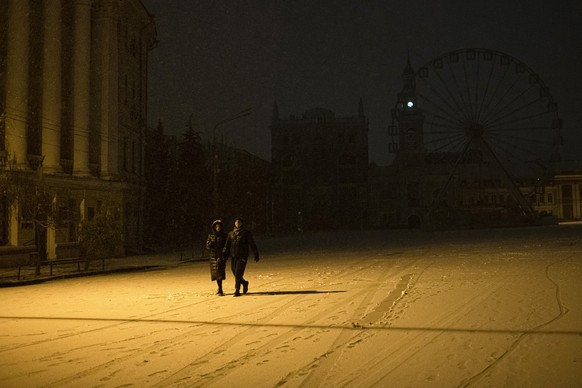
<point>73,81</point>
<point>320,165</point>
<point>563,198</point>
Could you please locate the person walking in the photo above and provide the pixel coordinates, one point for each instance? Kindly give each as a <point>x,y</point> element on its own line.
<point>215,244</point>
<point>237,246</point>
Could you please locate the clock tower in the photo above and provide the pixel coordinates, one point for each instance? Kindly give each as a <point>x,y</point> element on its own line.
<point>411,155</point>
<point>411,151</point>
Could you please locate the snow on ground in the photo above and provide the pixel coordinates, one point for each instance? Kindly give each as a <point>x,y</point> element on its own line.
<point>479,308</point>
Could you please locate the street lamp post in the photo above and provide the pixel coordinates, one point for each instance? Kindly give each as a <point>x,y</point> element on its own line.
<point>236,116</point>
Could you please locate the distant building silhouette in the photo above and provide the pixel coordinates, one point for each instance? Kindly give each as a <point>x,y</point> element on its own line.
<point>73,108</point>
<point>243,181</point>
<point>320,170</point>
<point>445,173</point>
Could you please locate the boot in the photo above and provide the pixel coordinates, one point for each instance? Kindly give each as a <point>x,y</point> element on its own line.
<point>245,286</point>
<point>219,293</point>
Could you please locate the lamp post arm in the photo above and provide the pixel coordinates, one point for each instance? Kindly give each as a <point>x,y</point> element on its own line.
<point>238,115</point>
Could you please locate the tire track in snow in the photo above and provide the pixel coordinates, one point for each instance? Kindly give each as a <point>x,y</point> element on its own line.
<point>214,376</point>
<point>384,363</point>
<point>281,341</point>
<point>147,317</point>
<point>316,372</point>
<point>118,322</point>
<point>163,344</point>
<point>168,343</point>
<point>562,311</point>
<point>173,342</point>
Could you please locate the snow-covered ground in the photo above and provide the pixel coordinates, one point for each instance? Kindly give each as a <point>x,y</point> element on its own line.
<point>482,308</point>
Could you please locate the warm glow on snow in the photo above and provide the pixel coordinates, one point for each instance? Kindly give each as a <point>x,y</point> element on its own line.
<point>377,308</point>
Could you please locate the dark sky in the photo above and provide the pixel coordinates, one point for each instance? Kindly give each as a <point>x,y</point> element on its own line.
<point>218,57</point>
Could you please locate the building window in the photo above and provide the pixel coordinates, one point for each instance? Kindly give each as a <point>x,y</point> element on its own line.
<point>4,225</point>
<point>567,193</point>
<point>133,45</point>
<point>411,136</point>
<point>125,154</point>
<point>128,210</point>
<point>125,89</point>
<point>68,218</point>
<point>413,194</point>
<point>133,156</point>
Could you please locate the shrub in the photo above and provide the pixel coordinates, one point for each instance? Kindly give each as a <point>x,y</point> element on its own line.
<point>101,236</point>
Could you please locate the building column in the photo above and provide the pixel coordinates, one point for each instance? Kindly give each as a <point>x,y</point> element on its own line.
<point>81,85</point>
<point>17,80</point>
<point>51,236</point>
<point>13,224</point>
<point>51,86</point>
<point>106,20</point>
<point>82,211</point>
<point>576,200</point>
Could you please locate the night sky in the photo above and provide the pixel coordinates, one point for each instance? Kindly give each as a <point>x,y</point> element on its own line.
<point>216,58</point>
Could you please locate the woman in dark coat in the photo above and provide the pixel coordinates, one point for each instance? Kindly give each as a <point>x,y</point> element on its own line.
<point>215,244</point>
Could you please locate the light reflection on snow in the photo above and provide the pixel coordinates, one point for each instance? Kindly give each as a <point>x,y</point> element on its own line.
<point>479,311</point>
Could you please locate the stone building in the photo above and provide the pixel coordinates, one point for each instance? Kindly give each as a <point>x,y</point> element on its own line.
<point>73,112</point>
<point>563,197</point>
<point>320,167</point>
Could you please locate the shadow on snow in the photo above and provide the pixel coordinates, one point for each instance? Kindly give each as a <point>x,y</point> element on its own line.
<point>350,326</point>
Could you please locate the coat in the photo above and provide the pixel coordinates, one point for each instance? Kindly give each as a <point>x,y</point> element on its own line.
<point>215,244</point>
<point>238,243</point>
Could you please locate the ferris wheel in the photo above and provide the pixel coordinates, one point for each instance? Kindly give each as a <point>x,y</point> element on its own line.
<point>486,115</point>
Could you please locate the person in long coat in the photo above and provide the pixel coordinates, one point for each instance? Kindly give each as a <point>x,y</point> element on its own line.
<point>237,246</point>
<point>215,244</point>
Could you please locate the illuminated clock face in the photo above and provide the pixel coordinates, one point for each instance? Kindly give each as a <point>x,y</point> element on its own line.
<point>410,104</point>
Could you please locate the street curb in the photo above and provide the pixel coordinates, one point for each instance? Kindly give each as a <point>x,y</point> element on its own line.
<point>121,269</point>
<point>28,282</point>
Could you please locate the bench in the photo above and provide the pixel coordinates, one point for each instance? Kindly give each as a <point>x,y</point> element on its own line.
<point>51,263</point>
